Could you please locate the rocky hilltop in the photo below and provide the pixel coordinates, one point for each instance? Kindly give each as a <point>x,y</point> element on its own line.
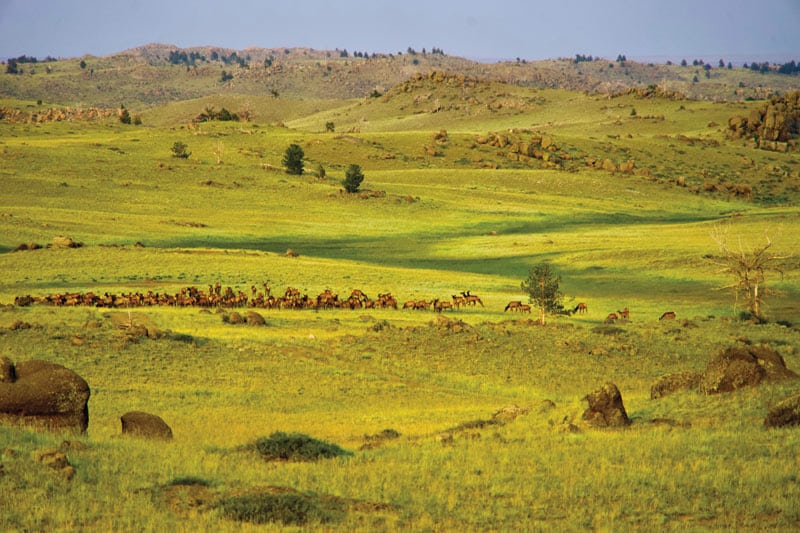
<point>157,73</point>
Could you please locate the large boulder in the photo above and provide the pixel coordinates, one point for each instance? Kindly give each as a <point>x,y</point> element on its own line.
<point>738,367</point>
<point>605,408</point>
<point>43,395</point>
<point>784,413</point>
<point>145,425</point>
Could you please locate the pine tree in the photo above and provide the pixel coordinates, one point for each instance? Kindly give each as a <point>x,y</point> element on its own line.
<point>353,178</point>
<point>293,160</point>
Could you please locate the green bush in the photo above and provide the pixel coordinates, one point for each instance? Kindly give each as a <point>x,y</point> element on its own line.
<point>287,508</point>
<point>296,447</point>
<point>179,149</point>
<point>188,480</point>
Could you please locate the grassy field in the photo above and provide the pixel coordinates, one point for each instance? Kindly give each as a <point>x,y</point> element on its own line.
<point>448,213</point>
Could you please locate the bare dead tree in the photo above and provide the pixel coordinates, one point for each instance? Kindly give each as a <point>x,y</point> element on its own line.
<point>748,265</point>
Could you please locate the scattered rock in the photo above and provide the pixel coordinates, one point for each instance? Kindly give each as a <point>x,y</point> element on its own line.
<point>671,383</point>
<point>374,441</point>
<point>55,460</point>
<point>43,395</point>
<point>233,318</point>
<point>146,425</point>
<point>64,242</point>
<point>605,408</point>
<point>785,413</point>
<point>27,246</point>
<point>509,413</point>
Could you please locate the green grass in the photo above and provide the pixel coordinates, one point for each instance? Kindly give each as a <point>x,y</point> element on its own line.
<point>445,225</point>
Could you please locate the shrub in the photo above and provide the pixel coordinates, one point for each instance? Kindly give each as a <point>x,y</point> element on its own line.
<point>179,149</point>
<point>296,447</point>
<point>188,480</point>
<point>287,508</point>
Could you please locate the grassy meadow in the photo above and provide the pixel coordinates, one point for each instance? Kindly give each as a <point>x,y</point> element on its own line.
<point>444,213</point>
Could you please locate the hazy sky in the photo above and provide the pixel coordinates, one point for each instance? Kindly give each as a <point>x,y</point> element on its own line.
<point>736,30</point>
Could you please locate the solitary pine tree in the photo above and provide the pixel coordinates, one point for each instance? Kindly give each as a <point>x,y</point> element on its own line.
<point>293,160</point>
<point>541,286</point>
<point>353,178</point>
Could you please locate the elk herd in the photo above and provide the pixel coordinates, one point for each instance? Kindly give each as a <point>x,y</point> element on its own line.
<point>291,298</point>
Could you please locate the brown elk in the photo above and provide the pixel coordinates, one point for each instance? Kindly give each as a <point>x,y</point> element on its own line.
<point>513,306</point>
<point>471,299</point>
<point>439,306</point>
<point>359,294</point>
<point>458,301</point>
<point>669,315</point>
<point>581,308</point>
<point>624,314</point>
<point>525,308</point>
<point>612,317</point>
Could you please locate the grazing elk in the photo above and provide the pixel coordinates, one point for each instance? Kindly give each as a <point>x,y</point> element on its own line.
<point>471,299</point>
<point>513,306</point>
<point>669,315</point>
<point>581,308</point>
<point>458,301</point>
<point>439,306</point>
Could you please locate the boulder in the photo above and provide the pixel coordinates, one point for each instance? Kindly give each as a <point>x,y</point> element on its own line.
<point>671,383</point>
<point>784,413</point>
<point>738,367</point>
<point>43,395</point>
<point>146,425</point>
<point>254,319</point>
<point>605,408</point>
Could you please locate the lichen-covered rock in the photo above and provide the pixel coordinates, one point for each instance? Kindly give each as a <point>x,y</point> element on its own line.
<point>738,367</point>
<point>605,408</point>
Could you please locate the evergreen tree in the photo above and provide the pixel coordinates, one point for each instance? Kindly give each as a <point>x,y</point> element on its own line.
<point>293,160</point>
<point>353,178</point>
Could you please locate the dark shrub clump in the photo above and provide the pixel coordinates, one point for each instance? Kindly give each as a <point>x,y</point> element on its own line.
<point>287,508</point>
<point>296,447</point>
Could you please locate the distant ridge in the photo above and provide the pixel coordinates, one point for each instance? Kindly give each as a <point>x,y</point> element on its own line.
<point>156,73</point>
